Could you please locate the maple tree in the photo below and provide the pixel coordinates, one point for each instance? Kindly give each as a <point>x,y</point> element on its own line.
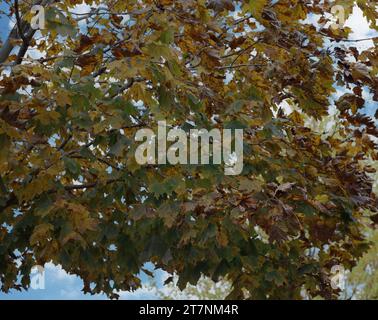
<point>362,280</point>
<point>72,193</point>
<point>205,289</point>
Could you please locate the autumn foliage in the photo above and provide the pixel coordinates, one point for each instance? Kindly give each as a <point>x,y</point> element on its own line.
<point>72,193</point>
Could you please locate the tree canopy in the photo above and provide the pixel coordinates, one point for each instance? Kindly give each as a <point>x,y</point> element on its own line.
<point>74,94</point>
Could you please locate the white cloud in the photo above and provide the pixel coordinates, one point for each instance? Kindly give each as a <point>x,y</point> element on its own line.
<point>58,274</point>
<point>82,8</point>
<point>140,294</point>
<point>359,24</point>
<point>360,29</point>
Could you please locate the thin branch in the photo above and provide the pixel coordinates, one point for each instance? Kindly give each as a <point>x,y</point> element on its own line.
<point>88,185</point>
<point>19,21</point>
<point>358,40</point>
<point>64,143</point>
<point>348,40</point>
<point>241,65</point>
<point>80,186</point>
<point>241,52</point>
<point>128,85</point>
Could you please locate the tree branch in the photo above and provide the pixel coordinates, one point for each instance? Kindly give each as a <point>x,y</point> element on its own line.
<point>64,143</point>
<point>16,33</point>
<point>241,65</point>
<point>19,21</point>
<point>25,45</point>
<point>7,47</point>
<point>88,185</point>
<point>128,85</point>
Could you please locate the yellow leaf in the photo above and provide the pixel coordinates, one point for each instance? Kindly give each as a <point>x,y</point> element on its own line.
<point>322,198</point>
<point>63,98</point>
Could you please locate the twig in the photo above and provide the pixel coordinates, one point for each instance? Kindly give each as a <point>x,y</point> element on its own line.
<point>64,143</point>
<point>19,22</point>
<point>241,65</point>
<point>88,185</point>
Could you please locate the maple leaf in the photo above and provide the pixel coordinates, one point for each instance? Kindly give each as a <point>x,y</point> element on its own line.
<point>71,189</point>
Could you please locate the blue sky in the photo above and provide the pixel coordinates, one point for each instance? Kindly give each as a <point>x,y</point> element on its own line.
<point>4,22</point>
<point>60,285</point>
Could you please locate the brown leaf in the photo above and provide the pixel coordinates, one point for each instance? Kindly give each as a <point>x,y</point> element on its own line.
<point>220,5</point>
